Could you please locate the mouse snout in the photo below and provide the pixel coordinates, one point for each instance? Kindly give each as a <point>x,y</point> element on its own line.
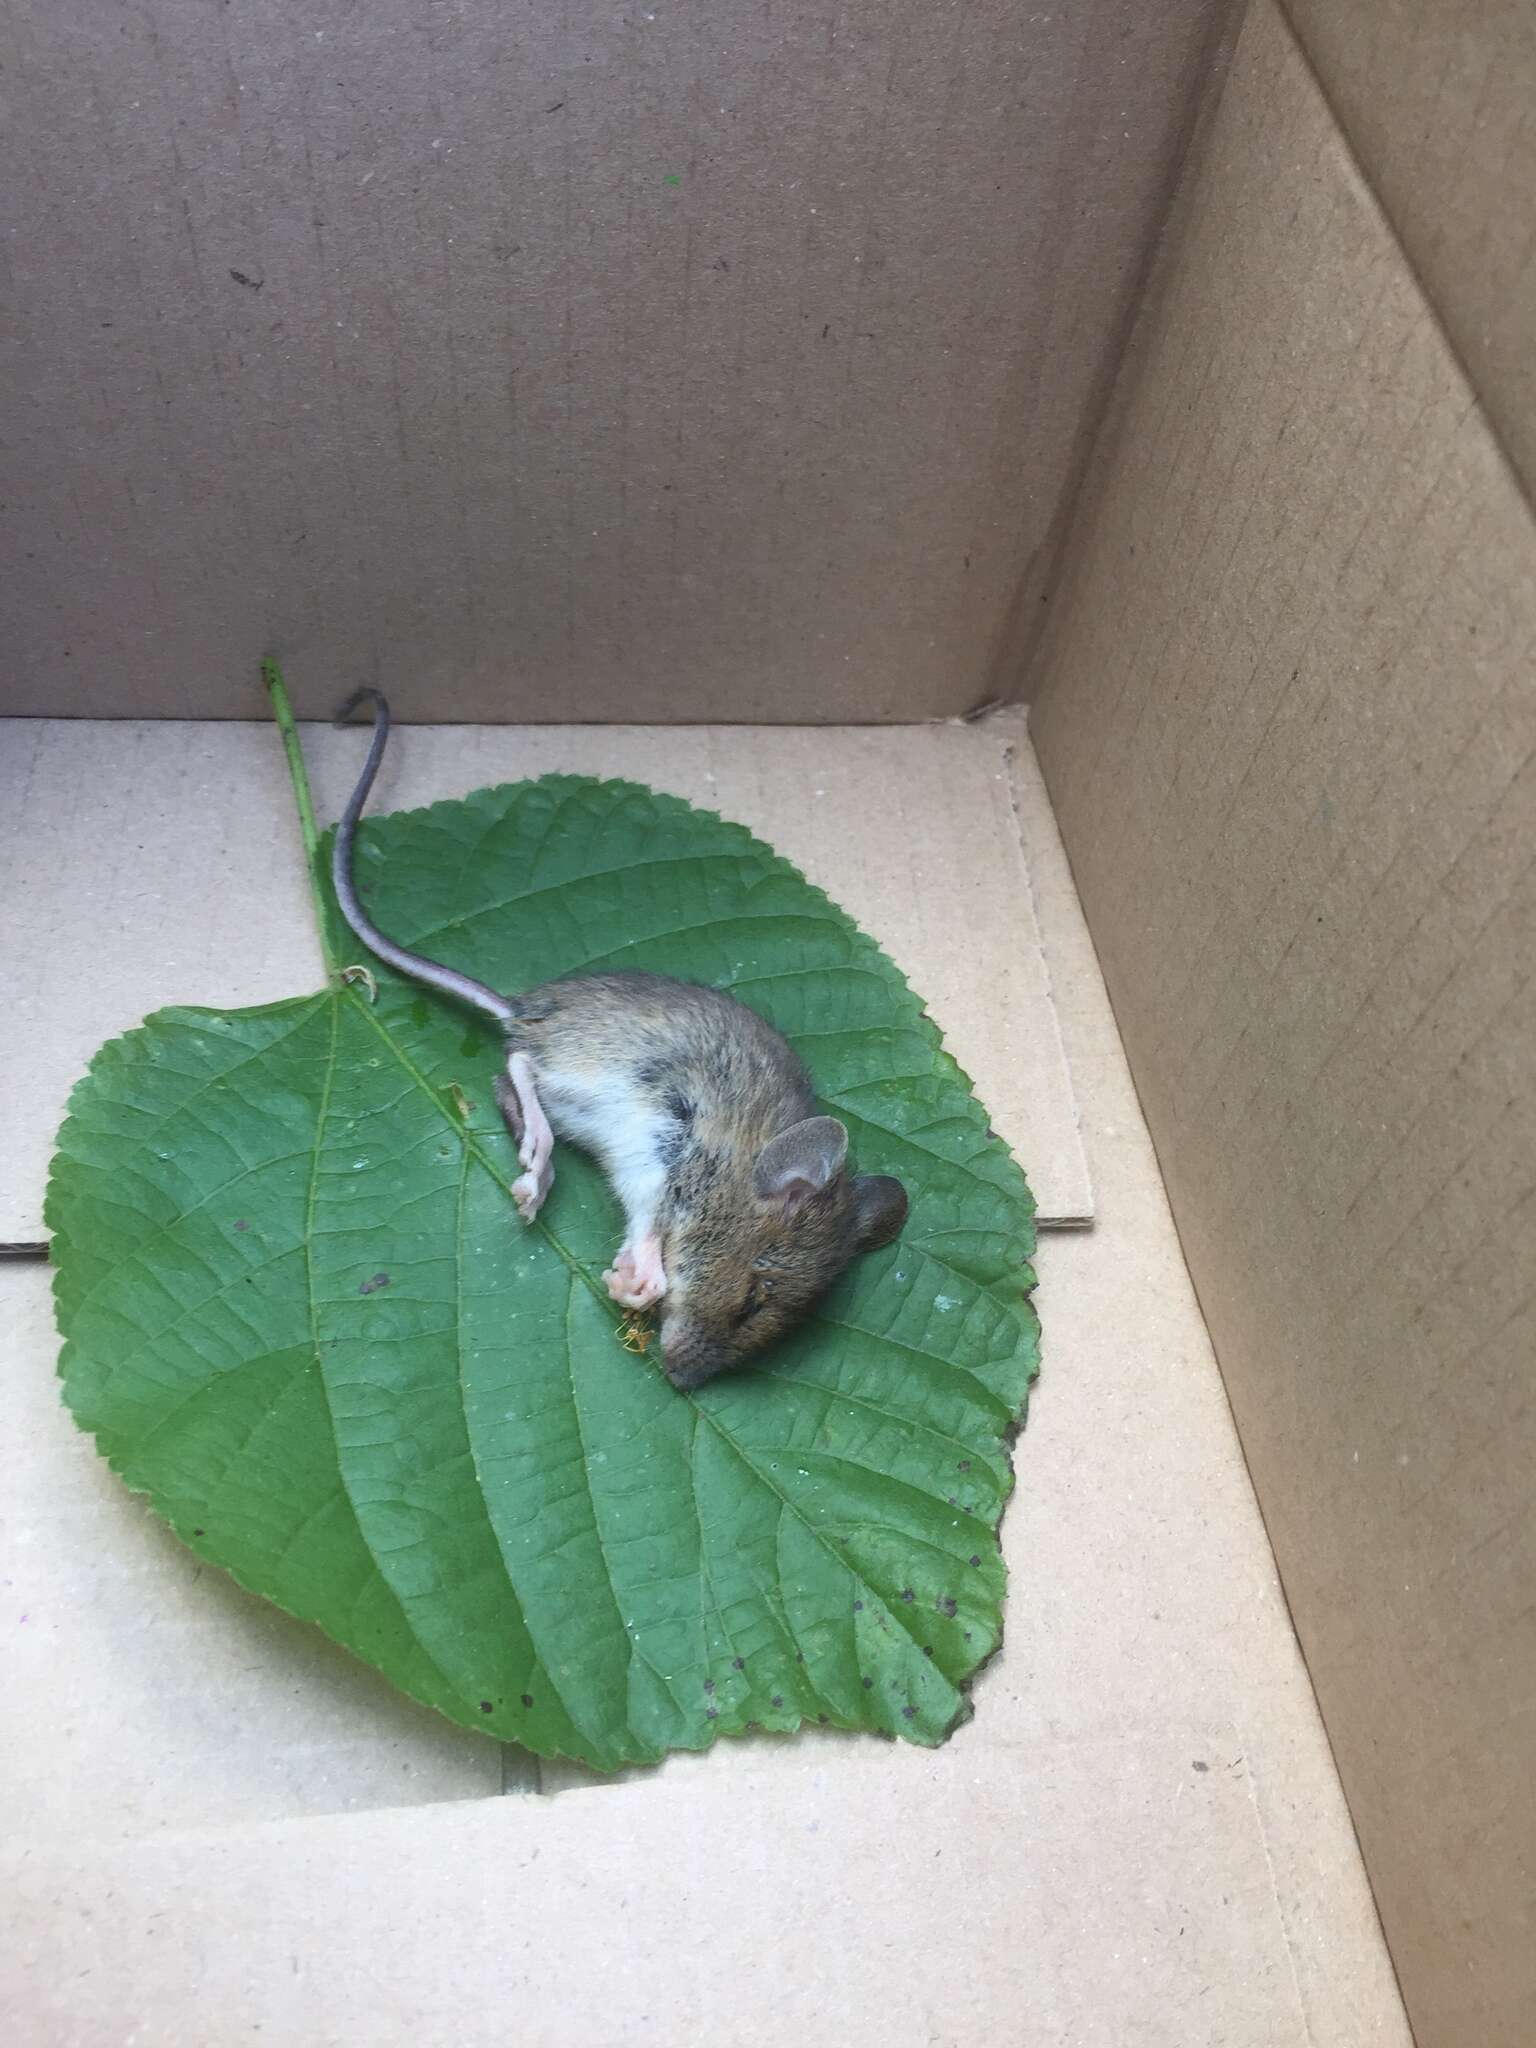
<point>688,1355</point>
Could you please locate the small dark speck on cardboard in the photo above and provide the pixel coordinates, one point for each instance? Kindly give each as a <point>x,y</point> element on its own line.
<point>252,284</point>
<point>1201,1764</point>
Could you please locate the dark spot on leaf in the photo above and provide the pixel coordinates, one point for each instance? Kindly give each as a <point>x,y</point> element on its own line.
<point>965,1464</point>
<point>242,1223</point>
<point>821,1720</point>
<point>946,1606</point>
<point>869,1684</point>
<point>738,1663</point>
<point>909,1713</point>
<point>967,1635</point>
<point>950,1499</point>
<point>927,1649</point>
<point>974,1558</point>
<point>711,1713</point>
<point>752,1724</point>
<point>526,1698</point>
<point>858,1606</point>
<point>199,1532</point>
<point>907,1593</point>
<point>372,1286</point>
<point>777,1700</point>
<point>799,1656</point>
<point>1201,1764</point>
<point>709,1685</point>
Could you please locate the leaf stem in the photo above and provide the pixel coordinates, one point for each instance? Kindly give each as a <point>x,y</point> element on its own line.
<point>282,711</point>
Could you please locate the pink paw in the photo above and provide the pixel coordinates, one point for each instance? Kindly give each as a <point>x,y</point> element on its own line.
<point>637,1278</point>
<point>530,1188</point>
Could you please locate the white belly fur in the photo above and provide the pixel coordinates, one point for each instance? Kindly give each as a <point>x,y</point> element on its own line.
<point>610,1118</point>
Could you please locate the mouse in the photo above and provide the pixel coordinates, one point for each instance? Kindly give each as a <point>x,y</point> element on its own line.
<point>740,1208</point>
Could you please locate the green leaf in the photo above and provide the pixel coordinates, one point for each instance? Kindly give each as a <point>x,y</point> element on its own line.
<point>300,1313</point>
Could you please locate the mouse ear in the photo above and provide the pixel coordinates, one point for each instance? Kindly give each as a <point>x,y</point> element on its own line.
<point>802,1160</point>
<point>879,1209</point>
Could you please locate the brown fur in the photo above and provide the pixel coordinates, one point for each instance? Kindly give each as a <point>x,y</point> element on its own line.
<point>743,1263</point>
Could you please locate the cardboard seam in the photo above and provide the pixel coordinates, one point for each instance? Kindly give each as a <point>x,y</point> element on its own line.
<point>1099,407</point>
<point>1373,195</point>
<point>1008,754</point>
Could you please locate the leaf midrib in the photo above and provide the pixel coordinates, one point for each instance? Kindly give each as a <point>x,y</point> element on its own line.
<point>322,1118</point>
<point>471,1143</point>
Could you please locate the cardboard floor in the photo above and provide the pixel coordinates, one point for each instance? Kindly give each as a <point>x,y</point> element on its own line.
<point>219,1828</point>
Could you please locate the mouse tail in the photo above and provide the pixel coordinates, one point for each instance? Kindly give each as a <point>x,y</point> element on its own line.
<point>446,980</point>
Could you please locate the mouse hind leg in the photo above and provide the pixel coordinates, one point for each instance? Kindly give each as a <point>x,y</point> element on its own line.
<point>518,1097</point>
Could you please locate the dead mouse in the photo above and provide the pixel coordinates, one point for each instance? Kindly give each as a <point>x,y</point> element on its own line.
<point>739,1209</point>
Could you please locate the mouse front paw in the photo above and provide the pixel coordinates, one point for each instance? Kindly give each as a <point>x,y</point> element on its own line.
<point>637,1278</point>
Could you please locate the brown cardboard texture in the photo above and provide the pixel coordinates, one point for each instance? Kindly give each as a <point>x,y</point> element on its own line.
<point>1288,723</point>
<point>675,381</point>
<point>218,1824</point>
<point>1435,97</point>
<point>667,363</point>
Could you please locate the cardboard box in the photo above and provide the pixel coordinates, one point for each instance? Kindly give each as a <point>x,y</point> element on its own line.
<point>1287,720</point>
<point>670,384</point>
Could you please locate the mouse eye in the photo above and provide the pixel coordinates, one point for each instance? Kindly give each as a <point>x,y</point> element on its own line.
<point>755,1301</point>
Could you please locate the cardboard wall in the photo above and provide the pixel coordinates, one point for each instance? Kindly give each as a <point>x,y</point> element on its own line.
<point>700,362</point>
<point>1436,98</point>
<point>1288,721</point>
